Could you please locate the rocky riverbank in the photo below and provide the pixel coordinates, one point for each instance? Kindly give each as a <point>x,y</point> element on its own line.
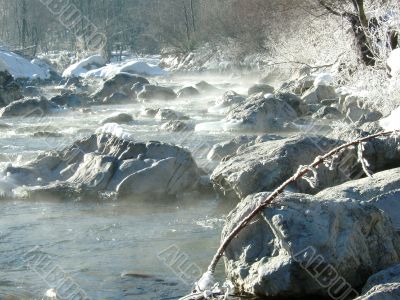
<point>337,227</point>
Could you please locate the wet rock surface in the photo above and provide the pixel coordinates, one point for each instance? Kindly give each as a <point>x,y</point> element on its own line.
<point>29,107</point>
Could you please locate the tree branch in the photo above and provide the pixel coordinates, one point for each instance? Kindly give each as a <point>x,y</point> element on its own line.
<point>299,174</point>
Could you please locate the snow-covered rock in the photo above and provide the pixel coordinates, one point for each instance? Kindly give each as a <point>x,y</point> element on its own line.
<point>393,62</point>
<point>301,245</point>
<point>20,67</point>
<point>262,113</point>
<point>105,162</point>
<point>81,67</point>
<point>130,66</point>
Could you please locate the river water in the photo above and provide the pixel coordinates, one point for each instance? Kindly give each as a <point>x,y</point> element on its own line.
<point>111,249</point>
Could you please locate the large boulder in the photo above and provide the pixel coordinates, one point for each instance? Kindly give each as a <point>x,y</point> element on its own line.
<point>260,88</point>
<point>221,150</point>
<point>107,163</point>
<point>225,102</point>
<point>264,166</point>
<point>166,114</point>
<point>177,126</point>
<point>327,112</point>
<point>205,87</point>
<point>304,246</point>
<point>382,191</point>
<point>119,98</point>
<point>120,83</point>
<point>187,92</point>
<point>121,118</point>
<point>9,89</point>
<point>318,93</point>
<point>157,92</point>
<point>260,113</point>
<point>225,149</point>
<point>69,100</point>
<point>29,107</point>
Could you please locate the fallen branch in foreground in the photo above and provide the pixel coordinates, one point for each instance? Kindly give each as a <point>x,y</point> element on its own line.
<point>206,282</point>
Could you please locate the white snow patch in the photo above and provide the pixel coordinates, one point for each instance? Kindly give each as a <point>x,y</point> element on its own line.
<point>132,66</point>
<point>392,122</point>
<point>394,62</point>
<point>114,129</point>
<point>20,67</point>
<point>323,79</point>
<point>83,66</point>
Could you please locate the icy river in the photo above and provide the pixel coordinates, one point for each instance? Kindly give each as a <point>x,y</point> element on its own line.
<point>112,249</point>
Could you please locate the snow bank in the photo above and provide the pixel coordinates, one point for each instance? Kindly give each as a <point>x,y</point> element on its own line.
<point>132,66</point>
<point>82,67</point>
<point>95,66</point>
<point>394,62</point>
<point>20,67</point>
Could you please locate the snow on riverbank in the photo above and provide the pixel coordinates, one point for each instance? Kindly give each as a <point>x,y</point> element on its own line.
<point>20,67</point>
<point>95,66</point>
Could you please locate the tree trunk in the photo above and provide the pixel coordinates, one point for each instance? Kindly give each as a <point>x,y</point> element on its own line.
<point>362,44</point>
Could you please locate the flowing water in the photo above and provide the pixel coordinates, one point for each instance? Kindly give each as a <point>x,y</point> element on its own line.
<point>111,249</point>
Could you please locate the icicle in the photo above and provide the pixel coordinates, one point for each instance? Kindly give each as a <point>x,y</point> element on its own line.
<point>206,282</point>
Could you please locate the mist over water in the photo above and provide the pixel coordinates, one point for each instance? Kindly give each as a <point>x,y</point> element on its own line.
<point>111,248</point>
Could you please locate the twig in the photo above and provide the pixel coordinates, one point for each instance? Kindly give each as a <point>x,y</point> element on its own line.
<point>299,174</point>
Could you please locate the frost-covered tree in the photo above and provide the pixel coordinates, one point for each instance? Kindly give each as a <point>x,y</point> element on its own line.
<point>366,28</point>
